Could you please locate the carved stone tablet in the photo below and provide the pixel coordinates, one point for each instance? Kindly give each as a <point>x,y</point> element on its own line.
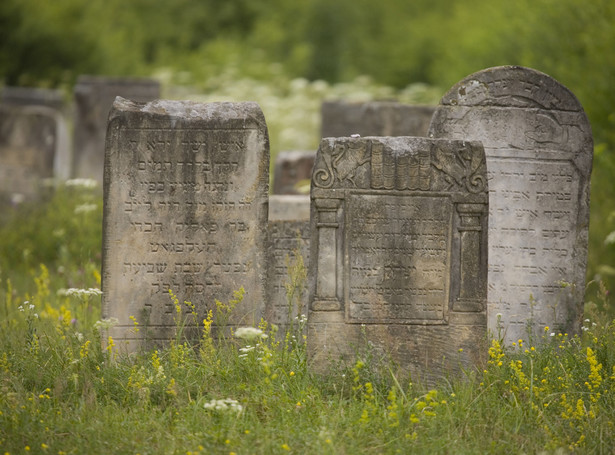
<point>539,147</point>
<point>292,167</point>
<point>375,118</point>
<point>94,97</point>
<point>399,251</point>
<point>185,208</point>
<point>289,234</point>
<point>28,140</point>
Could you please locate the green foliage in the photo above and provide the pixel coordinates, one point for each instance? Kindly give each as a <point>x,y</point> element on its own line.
<point>64,232</point>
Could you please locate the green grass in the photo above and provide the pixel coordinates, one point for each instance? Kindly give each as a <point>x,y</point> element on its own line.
<point>62,390</point>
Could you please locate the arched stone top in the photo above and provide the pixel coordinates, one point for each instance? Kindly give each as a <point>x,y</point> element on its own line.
<point>512,86</point>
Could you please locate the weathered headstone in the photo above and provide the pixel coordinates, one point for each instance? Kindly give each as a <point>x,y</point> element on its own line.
<point>30,96</point>
<point>185,208</point>
<point>54,101</point>
<point>539,150</point>
<point>399,251</point>
<point>28,140</point>
<point>289,234</point>
<point>290,169</point>
<point>94,97</point>
<point>374,118</point>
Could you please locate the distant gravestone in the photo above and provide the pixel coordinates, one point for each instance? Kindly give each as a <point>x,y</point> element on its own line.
<point>289,234</point>
<point>290,169</point>
<point>185,208</point>
<point>94,97</point>
<point>399,251</point>
<point>54,101</point>
<point>374,118</point>
<point>539,149</point>
<point>28,143</point>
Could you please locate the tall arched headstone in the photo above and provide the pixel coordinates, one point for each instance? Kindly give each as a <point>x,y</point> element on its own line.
<point>539,150</point>
<point>185,208</point>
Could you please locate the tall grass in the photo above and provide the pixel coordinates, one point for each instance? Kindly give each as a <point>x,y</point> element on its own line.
<point>64,387</point>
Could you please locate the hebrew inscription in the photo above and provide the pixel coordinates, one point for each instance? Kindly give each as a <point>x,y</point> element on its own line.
<point>539,153</point>
<point>183,211</point>
<point>398,250</point>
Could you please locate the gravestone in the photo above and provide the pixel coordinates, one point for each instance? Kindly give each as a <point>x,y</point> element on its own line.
<point>54,100</point>
<point>374,118</point>
<point>290,169</point>
<point>30,96</point>
<point>289,235</point>
<point>28,143</point>
<point>94,97</point>
<point>539,150</point>
<point>399,252</point>
<point>185,208</point>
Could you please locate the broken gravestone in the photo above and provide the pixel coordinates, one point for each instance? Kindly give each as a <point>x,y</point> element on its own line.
<point>288,258</point>
<point>374,118</point>
<point>185,209</point>
<point>399,252</point>
<point>539,150</point>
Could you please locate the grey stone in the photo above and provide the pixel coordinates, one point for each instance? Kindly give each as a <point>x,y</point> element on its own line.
<point>289,237</point>
<point>94,97</point>
<point>399,252</point>
<point>30,96</point>
<point>290,169</point>
<point>375,118</point>
<point>28,148</point>
<point>539,150</point>
<point>185,208</point>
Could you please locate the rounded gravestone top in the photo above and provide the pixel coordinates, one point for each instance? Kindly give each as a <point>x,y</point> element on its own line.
<point>511,86</point>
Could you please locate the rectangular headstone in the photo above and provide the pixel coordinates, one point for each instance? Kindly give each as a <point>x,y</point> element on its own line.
<point>399,251</point>
<point>30,96</point>
<point>289,234</point>
<point>94,96</point>
<point>538,143</point>
<point>185,208</point>
<point>291,168</point>
<point>374,118</point>
<point>28,145</point>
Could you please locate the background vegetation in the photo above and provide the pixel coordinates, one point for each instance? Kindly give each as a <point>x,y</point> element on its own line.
<point>210,45</point>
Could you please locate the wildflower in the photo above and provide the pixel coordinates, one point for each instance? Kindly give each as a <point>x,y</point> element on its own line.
<point>83,183</point>
<point>224,405</point>
<point>85,208</point>
<point>82,292</point>
<point>285,446</point>
<point>249,333</point>
<point>106,324</point>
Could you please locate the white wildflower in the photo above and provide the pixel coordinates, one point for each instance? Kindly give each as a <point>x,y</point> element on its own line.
<point>249,333</point>
<point>85,208</point>
<point>105,324</point>
<point>224,405</point>
<point>83,183</point>
<point>82,292</point>
<point>246,349</point>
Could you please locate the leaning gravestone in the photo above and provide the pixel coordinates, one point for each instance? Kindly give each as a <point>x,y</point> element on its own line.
<point>290,169</point>
<point>399,251</point>
<point>28,143</point>
<point>538,143</point>
<point>94,97</point>
<point>374,118</point>
<point>185,208</point>
<point>289,237</point>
